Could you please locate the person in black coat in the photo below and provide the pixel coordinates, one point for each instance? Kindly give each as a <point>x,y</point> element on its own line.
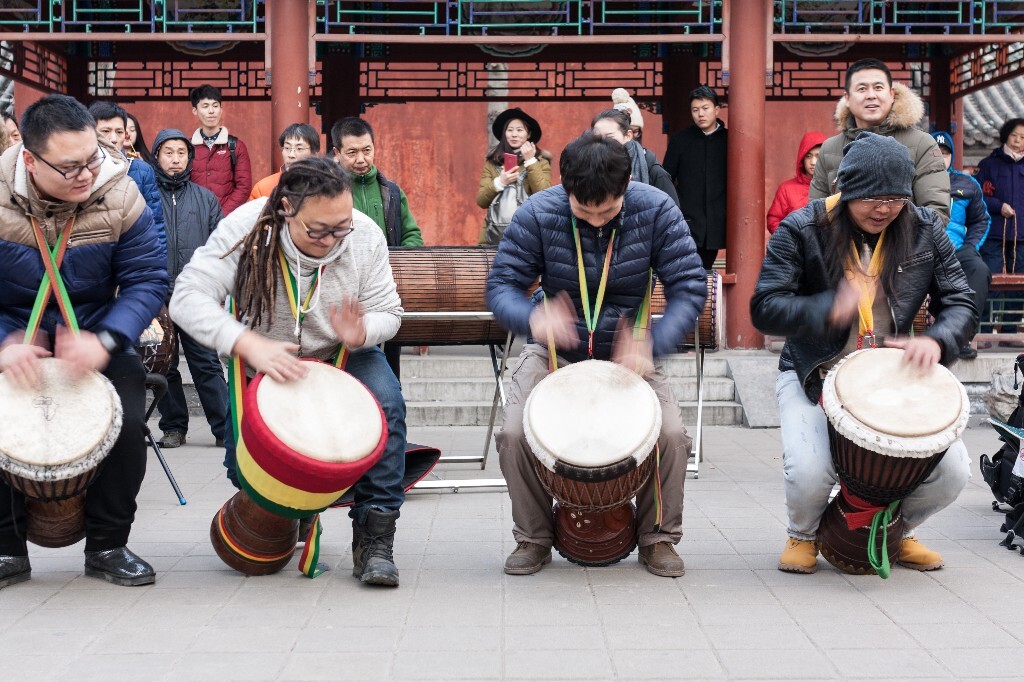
<point>696,159</point>
<point>600,222</point>
<point>191,213</point>
<point>852,271</point>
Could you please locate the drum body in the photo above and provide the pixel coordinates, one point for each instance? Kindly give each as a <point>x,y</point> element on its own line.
<point>889,426</point>
<point>158,343</point>
<point>709,324</point>
<point>303,444</point>
<point>593,427</point>
<point>53,441</point>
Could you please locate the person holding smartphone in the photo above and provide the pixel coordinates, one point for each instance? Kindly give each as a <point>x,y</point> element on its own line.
<point>514,169</point>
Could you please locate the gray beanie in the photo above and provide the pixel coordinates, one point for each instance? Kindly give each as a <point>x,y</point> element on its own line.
<point>875,166</point>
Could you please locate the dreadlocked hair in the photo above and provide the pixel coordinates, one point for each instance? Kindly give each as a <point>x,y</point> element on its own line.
<point>257,276</point>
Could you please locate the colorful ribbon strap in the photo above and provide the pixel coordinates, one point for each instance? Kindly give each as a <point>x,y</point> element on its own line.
<point>52,260</point>
<point>878,540</point>
<point>865,280</point>
<point>292,288</point>
<point>592,317</point>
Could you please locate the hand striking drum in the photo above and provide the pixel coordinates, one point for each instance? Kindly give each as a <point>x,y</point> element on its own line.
<point>594,434</point>
<point>83,273</point>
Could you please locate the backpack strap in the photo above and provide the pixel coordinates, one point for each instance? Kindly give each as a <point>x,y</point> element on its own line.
<point>232,143</point>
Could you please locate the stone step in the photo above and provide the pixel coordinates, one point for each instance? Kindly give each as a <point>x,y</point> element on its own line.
<point>716,413</point>
<point>482,389</point>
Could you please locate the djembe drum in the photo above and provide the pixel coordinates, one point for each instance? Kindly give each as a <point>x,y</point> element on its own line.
<point>158,344</point>
<point>889,426</point>
<point>303,444</point>
<point>53,440</point>
<point>593,427</point>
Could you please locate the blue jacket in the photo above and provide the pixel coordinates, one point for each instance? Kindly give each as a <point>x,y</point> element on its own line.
<point>1002,182</point>
<point>969,221</point>
<point>143,175</point>
<point>651,235</point>
<point>115,268</point>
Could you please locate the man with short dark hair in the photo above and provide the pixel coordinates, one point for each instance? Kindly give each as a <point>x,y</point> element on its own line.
<point>376,196</point>
<point>221,163</point>
<point>297,141</point>
<point>875,104</point>
<point>111,122</point>
<point>596,221</point>
<point>61,187</point>
<point>697,159</point>
<point>192,215</point>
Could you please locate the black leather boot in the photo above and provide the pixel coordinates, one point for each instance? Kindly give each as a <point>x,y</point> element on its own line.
<point>120,566</point>
<point>373,549</point>
<point>14,570</point>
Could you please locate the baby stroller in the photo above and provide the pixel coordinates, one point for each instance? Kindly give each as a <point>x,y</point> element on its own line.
<point>1004,472</point>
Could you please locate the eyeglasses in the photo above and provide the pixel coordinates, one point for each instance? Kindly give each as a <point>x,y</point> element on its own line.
<point>887,203</point>
<point>336,232</point>
<point>92,164</point>
<point>295,150</point>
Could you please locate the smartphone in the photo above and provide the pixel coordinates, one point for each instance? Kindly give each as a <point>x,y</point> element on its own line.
<point>511,161</point>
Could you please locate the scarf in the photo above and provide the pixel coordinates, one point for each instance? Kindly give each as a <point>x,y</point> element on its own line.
<point>865,280</point>
<point>1012,154</point>
<point>638,155</point>
<point>503,207</point>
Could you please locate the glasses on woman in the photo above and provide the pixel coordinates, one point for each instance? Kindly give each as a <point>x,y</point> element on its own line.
<point>336,232</point>
<point>887,203</point>
<point>92,164</point>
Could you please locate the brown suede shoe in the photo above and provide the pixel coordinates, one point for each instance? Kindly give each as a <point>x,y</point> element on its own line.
<point>800,556</point>
<point>661,559</point>
<point>915,555</point>
<point>527,558</point>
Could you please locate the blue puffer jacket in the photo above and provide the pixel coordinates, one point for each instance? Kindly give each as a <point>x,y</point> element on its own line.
<point>115,269</point>
<point>650,234</point>
<point>1002,182</point>
<point>968,216</point>
<point>143,175</point>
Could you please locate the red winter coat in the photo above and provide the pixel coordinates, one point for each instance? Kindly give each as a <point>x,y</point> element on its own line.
<point>792,194</point>
<point>212,169</point>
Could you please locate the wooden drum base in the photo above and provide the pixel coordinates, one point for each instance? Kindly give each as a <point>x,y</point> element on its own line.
<point>847,549</point>
<point>55,524</point>
<point>252,540</point>
<point>598,538</point>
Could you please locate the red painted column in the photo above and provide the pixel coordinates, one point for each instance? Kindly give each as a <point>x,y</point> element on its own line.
<point>745,209</point>
<point>289,67</point>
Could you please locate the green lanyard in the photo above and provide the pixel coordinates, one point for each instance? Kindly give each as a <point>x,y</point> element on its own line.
<point>591,317</point>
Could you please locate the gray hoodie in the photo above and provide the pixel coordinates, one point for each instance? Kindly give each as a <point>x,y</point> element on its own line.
<point>357,267</point>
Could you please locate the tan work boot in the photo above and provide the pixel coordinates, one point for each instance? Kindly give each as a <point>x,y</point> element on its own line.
<point>661,559</point>
<point>800,556</point>
<point>527,558</point>
<point>915,555</point>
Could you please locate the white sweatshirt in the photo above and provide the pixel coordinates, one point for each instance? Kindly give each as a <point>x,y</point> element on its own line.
<point>357,267</point>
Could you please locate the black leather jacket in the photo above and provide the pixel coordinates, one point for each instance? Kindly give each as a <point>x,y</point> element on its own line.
<point>793,296</point>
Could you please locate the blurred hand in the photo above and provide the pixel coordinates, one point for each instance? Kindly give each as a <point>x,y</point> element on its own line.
<point>559,319</point>
<point>844,306</point>
<point>921,351</point>
<point>1007,211</point>
<point>19,361</point>
<point>83,352</point>
<point>276,359</point>
<point>347,321</point>
<point>633,354</point>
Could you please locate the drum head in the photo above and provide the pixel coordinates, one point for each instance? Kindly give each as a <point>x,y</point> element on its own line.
<point>592,414</point>
<point>61,422</point>
<point>328,415</point>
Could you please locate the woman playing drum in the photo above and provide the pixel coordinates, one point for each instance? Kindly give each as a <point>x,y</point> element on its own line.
<point>309,275</point>
<point>848,272</point>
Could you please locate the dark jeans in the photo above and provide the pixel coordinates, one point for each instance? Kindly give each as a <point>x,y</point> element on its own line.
<point>977,273</point>
<point>381,486</point>
<point>110,500</point>
<point>208,377</point>
<point>393,353</point>
<point>996,253</point>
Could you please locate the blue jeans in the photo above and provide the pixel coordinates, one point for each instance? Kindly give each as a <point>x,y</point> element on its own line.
<point>381,486</point>
<point>808,473</point>
<point>208,377</point>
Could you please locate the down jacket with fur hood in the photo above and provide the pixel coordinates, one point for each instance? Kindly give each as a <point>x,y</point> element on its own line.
<point>115,267</point>
<point>931,182</point>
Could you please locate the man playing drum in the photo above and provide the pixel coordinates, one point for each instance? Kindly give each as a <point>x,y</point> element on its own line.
<point>847,272</point>
<point>617,233</point>
<point>310,275</point>
<point>62,191</point>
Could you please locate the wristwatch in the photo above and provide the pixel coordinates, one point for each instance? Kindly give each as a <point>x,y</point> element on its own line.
<point>108,341</point>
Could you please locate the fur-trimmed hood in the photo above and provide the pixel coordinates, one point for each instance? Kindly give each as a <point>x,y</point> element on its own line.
<point>907,110</point>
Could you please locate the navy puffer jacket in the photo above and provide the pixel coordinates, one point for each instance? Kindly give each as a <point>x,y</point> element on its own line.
<point>650,234</point>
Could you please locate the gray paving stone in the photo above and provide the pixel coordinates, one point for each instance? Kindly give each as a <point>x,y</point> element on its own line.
<point>776,665</point>
<point>466,665</point>
<point>888,663</point>
<point>667,665</point>
<point>567,664</point>
<point>121,666</point>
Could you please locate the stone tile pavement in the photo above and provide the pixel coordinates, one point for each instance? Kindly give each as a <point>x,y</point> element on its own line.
<point>457,616</point>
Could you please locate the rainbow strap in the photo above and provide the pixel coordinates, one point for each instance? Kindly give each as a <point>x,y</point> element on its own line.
<point>52,259</point>
<point>291,286</point>
<point>309,560</point>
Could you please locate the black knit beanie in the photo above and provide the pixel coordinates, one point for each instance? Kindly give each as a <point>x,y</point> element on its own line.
<point>875,166</point>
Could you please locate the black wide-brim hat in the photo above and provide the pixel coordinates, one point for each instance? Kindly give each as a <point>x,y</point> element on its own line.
<point>501,122</point>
